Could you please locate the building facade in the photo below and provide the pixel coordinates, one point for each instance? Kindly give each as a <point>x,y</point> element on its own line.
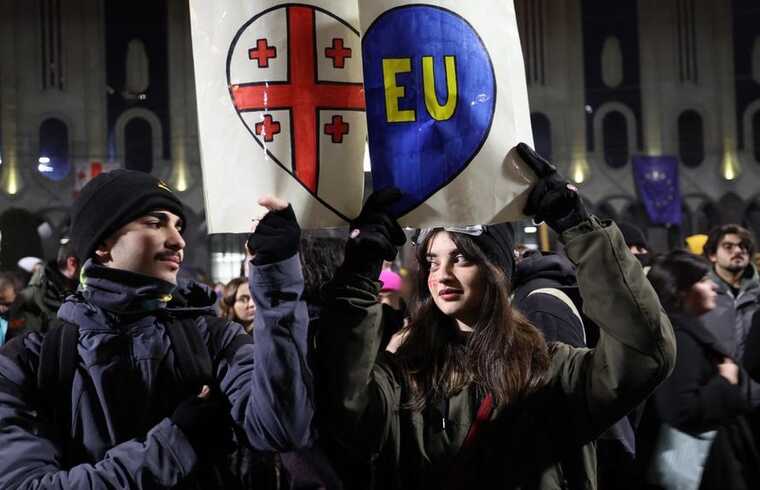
<point>89,85</point>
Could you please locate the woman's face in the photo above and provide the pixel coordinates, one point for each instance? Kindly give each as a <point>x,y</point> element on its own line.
<point>244,307</point>
<point>455,283</point>
<point>701,297</point>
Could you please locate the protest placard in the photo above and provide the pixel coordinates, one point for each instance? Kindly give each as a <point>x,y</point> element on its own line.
<point>280,109</point>
<point>446,104</point>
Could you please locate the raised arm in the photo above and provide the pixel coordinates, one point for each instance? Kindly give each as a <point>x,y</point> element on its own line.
<point>269,383</point>
<point>362,393</point>
<point>636,349</point>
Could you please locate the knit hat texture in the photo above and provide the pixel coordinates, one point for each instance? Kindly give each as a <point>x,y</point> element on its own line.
<point>497,243</point>
<point>113,199</point>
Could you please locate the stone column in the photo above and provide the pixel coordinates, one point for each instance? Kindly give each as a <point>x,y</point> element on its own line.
<point>94,74</point>
<point>10,173</point>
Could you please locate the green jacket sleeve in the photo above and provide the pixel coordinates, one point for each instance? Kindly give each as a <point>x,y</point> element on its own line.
<point>636,349</point>
<point>362,392</point>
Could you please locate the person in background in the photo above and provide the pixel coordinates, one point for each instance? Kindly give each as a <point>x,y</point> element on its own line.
<point>49,287</point>
<point>636,241</point>
<point>7,300</point>
<point>237,304</point>
<point>729,248</point>
<point>705,441</point>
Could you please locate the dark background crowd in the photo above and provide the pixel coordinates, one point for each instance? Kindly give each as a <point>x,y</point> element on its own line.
<point>709,288</point>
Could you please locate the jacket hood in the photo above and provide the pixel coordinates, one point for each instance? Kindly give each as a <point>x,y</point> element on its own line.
<point>545,266</point>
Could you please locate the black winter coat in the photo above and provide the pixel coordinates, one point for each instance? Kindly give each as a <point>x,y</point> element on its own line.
<point>696,399</point>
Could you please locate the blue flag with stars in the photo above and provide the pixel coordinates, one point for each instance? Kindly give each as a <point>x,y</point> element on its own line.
<point>657,181</point>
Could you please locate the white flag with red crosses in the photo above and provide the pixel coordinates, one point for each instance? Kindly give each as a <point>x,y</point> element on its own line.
<point>280,109</point>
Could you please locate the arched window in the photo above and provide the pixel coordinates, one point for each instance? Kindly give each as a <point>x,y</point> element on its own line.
<point>542,134</point>
<point>615,138</point>
<point>691,138</point>
<point>138,145</point>
<point>756,135</point>
<point>53,157</point>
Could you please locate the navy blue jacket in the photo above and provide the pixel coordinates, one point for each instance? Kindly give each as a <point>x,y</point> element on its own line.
<point>129,440</point>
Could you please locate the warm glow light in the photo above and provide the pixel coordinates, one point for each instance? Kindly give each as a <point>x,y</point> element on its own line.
<point>181,184</point>
<point>579,170</point>
<point>11,183</point>
<point>730,168</point>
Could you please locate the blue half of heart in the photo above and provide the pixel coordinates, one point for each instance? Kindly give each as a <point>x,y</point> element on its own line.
<point>431,94</point>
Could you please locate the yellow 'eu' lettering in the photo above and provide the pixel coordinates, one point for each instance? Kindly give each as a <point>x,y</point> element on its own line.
<point>392,67</point>
<point>437,111</point>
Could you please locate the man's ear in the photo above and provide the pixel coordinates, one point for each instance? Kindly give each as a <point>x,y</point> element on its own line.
<point>712,258</point>
<point>103,253</point>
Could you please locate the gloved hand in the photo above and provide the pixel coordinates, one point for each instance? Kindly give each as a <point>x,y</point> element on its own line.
<point>553,199</point>
<point>277,236</point>
<point>206,422</point>
<point>375,235</point>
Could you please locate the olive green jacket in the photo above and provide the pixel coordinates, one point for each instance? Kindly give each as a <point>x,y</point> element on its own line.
<point>530,444</point>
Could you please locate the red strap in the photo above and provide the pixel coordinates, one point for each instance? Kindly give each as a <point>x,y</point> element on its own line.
<point>484,414</point>
<point>458,471</point>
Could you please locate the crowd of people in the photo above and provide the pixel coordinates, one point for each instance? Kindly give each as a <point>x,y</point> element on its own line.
<point>330,364</point>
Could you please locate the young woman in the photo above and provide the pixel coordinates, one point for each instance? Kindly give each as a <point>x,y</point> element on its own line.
<point>237,304</point>
<point>474,396</point>
<point>702,403</point>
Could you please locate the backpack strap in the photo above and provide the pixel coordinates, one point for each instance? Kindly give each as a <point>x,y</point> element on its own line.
<point>562,296</point>
<point>55,381</point>
<point>191,353</point>
<point>195,359</point>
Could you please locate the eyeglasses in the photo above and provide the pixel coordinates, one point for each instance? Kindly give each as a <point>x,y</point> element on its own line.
<point>471,230</point>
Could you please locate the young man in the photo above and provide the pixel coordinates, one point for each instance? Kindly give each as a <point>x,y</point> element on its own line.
<point>729,248</point>
<point>134,417</point>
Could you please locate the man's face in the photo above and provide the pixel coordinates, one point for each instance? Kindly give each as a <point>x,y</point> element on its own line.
<point>150,245</point>
<point>732,254</point>
<point>7,296</point>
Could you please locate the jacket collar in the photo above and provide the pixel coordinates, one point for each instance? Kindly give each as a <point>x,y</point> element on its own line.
<point>749,280</point>
<point>109,296</point>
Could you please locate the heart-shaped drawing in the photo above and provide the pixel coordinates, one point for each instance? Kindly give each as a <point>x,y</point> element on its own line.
<point>431,96</point>
<point>294,74</point>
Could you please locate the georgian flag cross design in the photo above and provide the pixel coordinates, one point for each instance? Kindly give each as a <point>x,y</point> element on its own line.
<point>295,78</point>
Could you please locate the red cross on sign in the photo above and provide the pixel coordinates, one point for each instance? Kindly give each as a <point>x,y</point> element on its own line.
<point>269,127</point>
<point>303,94</point>
<point>338,53</point>
<point>337,129</point>
<point>262,53</point>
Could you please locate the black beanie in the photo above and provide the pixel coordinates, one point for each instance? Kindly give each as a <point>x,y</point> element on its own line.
<point>497,243</point>
<point>633,235</point>
<point>113,199</point>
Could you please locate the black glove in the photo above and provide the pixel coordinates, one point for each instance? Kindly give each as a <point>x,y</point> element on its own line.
<point>553,199</point>
<point>276,238</point>
<point>375,235</point>
<point>206,422</point>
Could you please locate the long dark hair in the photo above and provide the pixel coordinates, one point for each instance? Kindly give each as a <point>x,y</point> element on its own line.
<point>504,354</point>
<point>673,274</point>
